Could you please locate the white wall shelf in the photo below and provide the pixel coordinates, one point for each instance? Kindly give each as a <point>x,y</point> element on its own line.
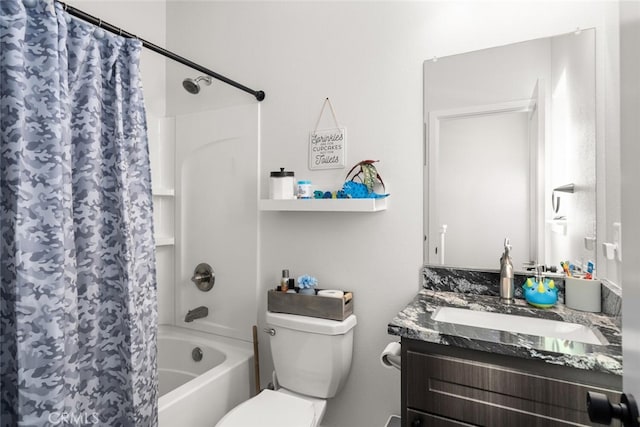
<point>164,241</point>
<point>324,205</point>
<point>163,192</point>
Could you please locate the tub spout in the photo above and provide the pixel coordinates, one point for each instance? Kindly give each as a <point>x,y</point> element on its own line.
<point>196,313</point>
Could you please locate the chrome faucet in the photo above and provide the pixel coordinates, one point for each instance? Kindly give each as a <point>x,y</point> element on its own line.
<point>539,270</point>
<point>506,274</point>
<point>539,273</point>
<point>196,313</point>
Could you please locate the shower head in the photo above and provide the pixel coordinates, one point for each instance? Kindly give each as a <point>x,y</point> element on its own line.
<point>192,85</point>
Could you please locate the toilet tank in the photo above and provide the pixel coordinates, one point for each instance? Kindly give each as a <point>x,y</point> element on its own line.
<point>311,356</point>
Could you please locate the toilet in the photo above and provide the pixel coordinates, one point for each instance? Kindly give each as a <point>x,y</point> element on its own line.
<point>312,359</point>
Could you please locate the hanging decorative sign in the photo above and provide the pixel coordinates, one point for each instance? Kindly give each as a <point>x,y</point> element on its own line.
<point>327,146</point>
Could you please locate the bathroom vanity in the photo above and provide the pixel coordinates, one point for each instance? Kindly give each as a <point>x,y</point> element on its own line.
<point>458,374</point>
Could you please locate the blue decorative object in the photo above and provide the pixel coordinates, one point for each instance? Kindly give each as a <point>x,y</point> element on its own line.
<point>542,294</point>
<point>357,190</point>
<point>78,314</point>
<point>306,281</point>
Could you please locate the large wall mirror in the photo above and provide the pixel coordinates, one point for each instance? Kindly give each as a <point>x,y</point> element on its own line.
<point>511,143</point>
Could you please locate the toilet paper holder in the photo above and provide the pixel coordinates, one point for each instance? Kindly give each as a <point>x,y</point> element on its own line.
<point>391,356</point>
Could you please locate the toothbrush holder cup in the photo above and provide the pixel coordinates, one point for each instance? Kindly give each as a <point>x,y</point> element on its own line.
<point>582,294</point>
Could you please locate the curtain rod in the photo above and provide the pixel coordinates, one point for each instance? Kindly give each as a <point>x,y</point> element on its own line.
<point>112,28</point>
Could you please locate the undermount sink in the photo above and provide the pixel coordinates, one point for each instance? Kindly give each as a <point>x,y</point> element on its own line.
<point>519,324</point>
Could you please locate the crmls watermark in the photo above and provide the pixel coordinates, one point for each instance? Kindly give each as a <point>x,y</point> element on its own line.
<point>69,418</point>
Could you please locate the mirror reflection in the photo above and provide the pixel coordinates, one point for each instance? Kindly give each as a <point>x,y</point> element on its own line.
<point>511,137</point>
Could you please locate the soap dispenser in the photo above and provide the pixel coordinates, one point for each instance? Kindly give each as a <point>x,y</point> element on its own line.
<point>506,274</point>
<point>540,292</point>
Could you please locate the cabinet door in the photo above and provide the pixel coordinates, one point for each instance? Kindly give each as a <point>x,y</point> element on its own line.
<point>490,395</point>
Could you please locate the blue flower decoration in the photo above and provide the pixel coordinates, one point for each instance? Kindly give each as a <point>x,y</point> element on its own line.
<point>305,281</point>
<point>357,190</point>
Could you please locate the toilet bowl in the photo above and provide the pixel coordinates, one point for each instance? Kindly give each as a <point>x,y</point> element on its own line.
<point>312,359</point>
<point>280,408</point>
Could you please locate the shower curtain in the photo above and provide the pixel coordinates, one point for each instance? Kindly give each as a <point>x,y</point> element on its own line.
<point>78,308</point>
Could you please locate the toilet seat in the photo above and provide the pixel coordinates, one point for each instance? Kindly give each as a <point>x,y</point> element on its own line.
<point>271,409</point>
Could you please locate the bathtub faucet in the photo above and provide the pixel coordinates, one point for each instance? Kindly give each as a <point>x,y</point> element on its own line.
<point>196,313</point>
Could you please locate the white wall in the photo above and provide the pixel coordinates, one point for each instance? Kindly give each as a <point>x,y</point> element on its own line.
<point>571,152</point>
<point>217,217</point>
<point>367,57</point>
<point>608,182</point>
<point>483,189</point>
<point>490,76</point>
<point>630,149</point>
<point>487,76</point>
<point>566,66</point>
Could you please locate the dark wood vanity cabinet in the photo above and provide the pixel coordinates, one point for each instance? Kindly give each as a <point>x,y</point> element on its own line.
<point>446,386</point>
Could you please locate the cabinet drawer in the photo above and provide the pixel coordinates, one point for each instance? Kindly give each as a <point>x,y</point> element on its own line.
<point>491,395</point>
<point>422,419</point>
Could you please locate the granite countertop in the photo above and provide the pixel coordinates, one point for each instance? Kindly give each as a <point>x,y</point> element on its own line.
<point>415,322</point>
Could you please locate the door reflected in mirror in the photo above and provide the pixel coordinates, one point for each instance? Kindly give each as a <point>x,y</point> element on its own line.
<point>505,127</point>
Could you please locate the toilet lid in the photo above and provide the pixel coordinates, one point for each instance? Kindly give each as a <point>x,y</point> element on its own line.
<point>271,409</point>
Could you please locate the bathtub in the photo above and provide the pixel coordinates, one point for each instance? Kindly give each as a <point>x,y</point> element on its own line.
<point>198,393</point>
